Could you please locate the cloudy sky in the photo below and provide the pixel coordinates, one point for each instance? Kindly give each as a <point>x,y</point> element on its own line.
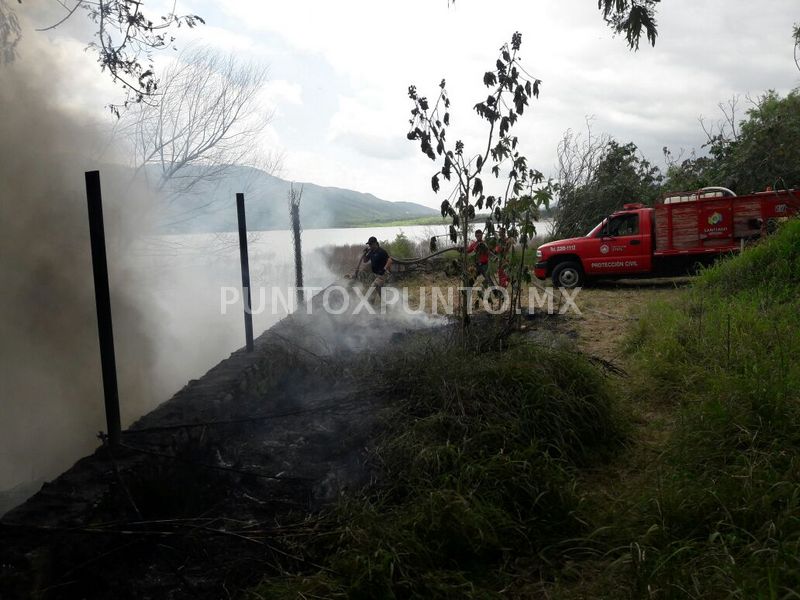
<point>339,72</point>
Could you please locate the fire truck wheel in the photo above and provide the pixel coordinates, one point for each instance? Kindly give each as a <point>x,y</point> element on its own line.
<point>568,275</point>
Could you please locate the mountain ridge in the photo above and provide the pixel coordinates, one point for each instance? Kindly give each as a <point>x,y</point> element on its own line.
<point>210,206</point>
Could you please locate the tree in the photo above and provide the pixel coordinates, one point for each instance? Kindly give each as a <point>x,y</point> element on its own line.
<point>207,120</point>
<point>124,40</point>
<point>761,150</point>
<point>628,17</point>
<point>295,197</point>
<point>10,33</point>
<point>767,150</point>
<point>511,88</point>
<point>578,160</point>
<point>631,18</point>
<point>621,175</point>
<point>697,172</point>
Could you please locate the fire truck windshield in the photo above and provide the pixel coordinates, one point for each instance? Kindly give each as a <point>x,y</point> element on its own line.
<point>596,228</point>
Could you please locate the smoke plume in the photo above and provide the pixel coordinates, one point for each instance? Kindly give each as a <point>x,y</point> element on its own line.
<point>51,390</point>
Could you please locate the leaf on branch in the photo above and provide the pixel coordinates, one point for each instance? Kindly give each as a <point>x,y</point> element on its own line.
<point>520,99</point>
<point>435,183</point>
<point>504,125</point>
<point>446,118</point>
<point>489,79</point>
<point>453,234</point>
<point>442,84</point>
<point>445,208</point>
<point>477,187</point>
<point>446,169</point>
<point>425,146</point>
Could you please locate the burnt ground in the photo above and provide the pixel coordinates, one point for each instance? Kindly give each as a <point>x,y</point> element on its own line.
<point>189,505</point>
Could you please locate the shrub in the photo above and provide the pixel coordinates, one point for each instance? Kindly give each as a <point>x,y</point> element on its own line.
<point>474,476</point>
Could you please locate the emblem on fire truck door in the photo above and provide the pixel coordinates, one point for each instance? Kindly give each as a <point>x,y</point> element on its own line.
<point>604,249</point>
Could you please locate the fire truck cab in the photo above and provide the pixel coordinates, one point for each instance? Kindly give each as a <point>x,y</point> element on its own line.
<point>670,238</point>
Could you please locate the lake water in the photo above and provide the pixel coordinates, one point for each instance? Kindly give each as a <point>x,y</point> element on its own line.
<point>176,284</point>
<point>185,278</point>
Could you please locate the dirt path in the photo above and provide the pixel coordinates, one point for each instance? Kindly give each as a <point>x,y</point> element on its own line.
<point>609,309</point>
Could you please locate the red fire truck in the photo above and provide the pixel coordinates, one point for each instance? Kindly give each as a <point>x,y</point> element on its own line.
<point>673,237</point>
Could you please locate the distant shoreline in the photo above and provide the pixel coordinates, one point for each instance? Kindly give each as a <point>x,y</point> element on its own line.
<point>433,220</point>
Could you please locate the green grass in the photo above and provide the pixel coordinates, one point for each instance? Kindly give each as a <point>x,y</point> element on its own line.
<point>431,220</point>
<point>717,514</point>
<point>475,489</point>
<point>500,473</point>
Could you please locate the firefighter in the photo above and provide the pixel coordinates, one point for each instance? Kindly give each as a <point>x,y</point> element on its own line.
<point>380,262</point>
<point>481,251</point>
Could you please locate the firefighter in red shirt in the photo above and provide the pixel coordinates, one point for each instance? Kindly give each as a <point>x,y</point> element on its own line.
<point>481,251</point>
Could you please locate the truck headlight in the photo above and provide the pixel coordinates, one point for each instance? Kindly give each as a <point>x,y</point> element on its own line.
<point>538,255</point>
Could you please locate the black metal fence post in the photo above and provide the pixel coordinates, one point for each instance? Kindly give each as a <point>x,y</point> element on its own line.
<point>103,303</point>
<point>248,313</point>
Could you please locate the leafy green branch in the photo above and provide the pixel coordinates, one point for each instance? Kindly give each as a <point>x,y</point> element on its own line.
<point>511,90</point>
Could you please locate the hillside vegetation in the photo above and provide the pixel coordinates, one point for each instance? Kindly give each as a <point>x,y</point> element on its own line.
<point>210,207</point>
<point>597,174</point>
<point>717,515</point>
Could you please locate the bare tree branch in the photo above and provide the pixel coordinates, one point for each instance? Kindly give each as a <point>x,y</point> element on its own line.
<point>124,40</point>
<point>10,33</point>
<point>208,120</point>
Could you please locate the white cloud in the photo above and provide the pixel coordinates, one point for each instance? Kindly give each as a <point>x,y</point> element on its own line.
<point>282,92</point>
<point>342,68</point>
